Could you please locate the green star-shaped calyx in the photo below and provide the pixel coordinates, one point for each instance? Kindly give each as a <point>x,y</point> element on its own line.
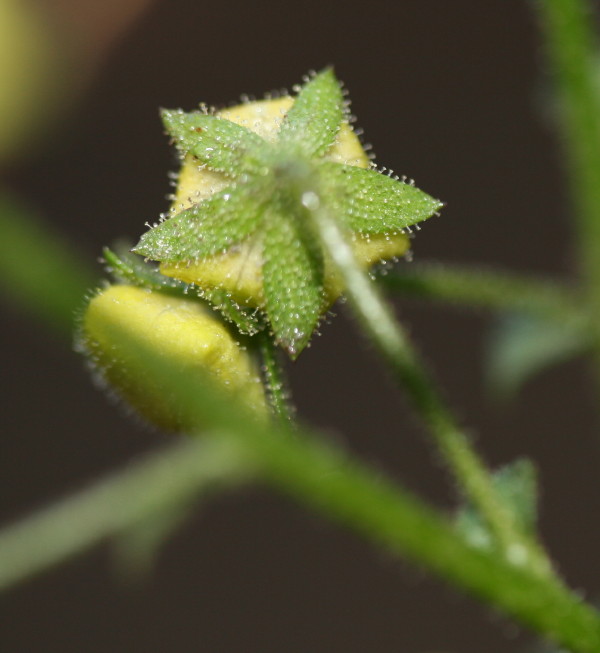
<point>267,202</point>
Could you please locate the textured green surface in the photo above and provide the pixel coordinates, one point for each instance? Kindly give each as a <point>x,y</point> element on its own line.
<point>273,184</point>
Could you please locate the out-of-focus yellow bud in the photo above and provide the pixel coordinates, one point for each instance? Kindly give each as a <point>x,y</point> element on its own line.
<point>32,73</point>
<point>239,270</point>
<point>183,331</point>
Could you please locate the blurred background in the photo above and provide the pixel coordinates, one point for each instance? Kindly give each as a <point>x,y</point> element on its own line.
<point>453,95</point>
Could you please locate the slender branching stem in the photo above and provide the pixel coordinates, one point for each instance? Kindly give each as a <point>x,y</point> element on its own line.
<point>573,51</point>
<point>488,289</point>
<point>302,464</point>
<point>146,489</point>
<point>320,476</point>
<point>376,318</point>
<point>31,249</point>
<point>237,446</point>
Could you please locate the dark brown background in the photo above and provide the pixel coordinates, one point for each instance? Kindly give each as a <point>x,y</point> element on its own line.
<point>450,93</point>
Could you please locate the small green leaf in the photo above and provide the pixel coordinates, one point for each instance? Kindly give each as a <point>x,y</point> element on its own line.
<point>131,268</point>
<point>521,346</point>
<point>516,484</point>
<point>221,144</point>
<point>373,203</point>
<point>211,226</point>
<point>136,549</point>
<point>315,118</point>
<point>125,267</point>
<point>293,284</point>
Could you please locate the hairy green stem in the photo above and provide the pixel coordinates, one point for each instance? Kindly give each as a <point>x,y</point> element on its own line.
<point>38,270</point>
<point>143,490</point>
<point>274,378</point>
<point>377,320</point>
<point>572,48</point>
<point>323,477</point>
<point>489,289</point>
<point>302,464</point>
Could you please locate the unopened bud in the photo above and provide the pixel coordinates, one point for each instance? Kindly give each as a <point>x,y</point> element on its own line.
<point>185,332</point>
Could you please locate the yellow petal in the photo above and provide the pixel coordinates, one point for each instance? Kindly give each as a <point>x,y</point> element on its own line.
<point>183,331</point>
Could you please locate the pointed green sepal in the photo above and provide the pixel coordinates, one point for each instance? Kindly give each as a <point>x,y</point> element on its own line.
<point>248,321</point>
<point>265,205</point>
<point>314,119</point>
<point>126,267</point>
<point>293,284</point>
<point>218,143</point>
<point>373,203</point>
<point>214,225</point>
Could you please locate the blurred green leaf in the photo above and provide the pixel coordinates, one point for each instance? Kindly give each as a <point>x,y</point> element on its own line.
<point>136,548</point>
<point>38,270</point>
<point>162,481</point>
<point>516,484</point>
<point>521,346</point>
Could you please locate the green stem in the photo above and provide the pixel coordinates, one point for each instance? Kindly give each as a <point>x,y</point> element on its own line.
<point>305,466</point>
<point>320,476</point>
<point>385,514</point>
<point>573,52</point>
<point>273,375</point>
<point>378,322</point>
<point>38,270</point>
<point>488,289</point>
<point>142,490</point>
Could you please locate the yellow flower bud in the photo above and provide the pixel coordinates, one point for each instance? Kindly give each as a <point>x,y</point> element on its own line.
<point>183,331</point>
<point>34,77</point>
<point>239,269</point>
